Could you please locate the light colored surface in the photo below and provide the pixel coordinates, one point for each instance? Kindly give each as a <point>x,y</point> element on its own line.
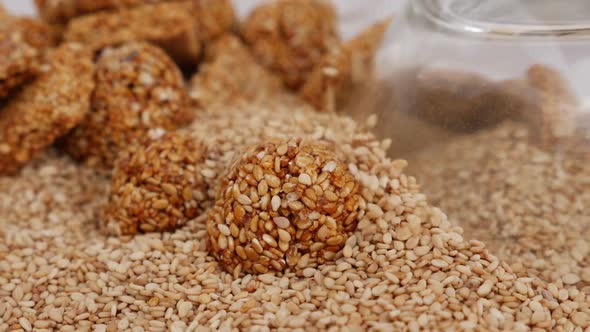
<point>354,14</point>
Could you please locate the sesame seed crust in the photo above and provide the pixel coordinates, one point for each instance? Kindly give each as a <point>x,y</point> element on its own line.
<point>214,17</point>
<point>61,11</point>
<point>22,44</point>
<point>156,186</point>
<point>138,89</point>
<point>46,109</point>
<point>168,25</point>
<point>290,37</point>
<point>280,201</point>
<point>227,73</point>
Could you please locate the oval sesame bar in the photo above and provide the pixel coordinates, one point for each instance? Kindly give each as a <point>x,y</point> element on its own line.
<point>22,43</point>
<point>46,109</point>
<point>168,25</point>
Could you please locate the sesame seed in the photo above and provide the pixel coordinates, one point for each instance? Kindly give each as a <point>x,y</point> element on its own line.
<point>169,189</point>
<point>160,204</point>
<point>224,229</point>
<point>329,167</point>
<point>284,235</point>
<point>281,222</point>
<point>275,203</point>
<point>305,179</point>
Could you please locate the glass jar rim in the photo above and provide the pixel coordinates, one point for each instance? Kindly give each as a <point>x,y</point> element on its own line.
<point>453,16</point>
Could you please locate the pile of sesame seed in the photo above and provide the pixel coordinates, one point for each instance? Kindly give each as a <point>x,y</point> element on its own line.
<point>406,267</point>
<point>527,203</point>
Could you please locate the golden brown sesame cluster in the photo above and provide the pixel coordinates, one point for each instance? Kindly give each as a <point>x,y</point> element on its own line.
<point>138,88</point>
<point>343,69</point>
<point>280,201</point>
<point>61,11</point>
<point>168,25</point>
<point>227,73</point>
<point>156,186</point>
<point>290,37</point>
<point>214,18</point>
<point>298,41</point>
<point>47,108</point>
<point>180,27</point>
<point>22,44</point>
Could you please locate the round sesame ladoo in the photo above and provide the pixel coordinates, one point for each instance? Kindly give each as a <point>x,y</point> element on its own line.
<point>138,88</point>
<point>282,202</point>
<point>156,186</point>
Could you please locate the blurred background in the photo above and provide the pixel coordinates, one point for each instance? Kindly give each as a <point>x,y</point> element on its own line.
<point>354,14</point>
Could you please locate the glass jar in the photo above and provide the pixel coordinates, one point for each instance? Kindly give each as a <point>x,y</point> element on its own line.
<point>489,102</point>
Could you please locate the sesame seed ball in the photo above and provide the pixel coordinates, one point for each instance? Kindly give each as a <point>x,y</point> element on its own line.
<point>138,88</point>
<point>280,201</point>
<point>156,186</point>
<point>290,37</point>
